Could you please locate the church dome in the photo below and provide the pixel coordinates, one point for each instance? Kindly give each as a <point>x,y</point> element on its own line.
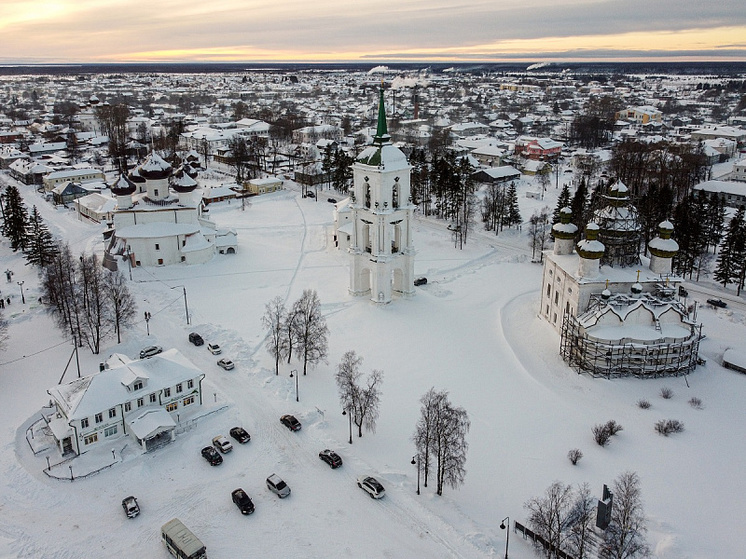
<point>387,156</point>
<point>564,229</point>
<point>591,248</point>
<point>155,168</point>
<point>182,182</point>
<point>123,186</point>
<point>663,245</point>
<point>136,177</point>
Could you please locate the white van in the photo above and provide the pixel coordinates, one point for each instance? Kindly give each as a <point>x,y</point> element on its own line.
<point>181,542</point>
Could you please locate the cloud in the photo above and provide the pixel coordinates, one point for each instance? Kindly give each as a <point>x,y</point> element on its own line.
<point>120,30</point>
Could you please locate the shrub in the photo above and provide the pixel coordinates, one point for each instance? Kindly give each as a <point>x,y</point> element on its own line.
<point>575,455</point>
<point>601,435</point>
<point>667,426</point>
<point>613,427</point>
<point>696,403</point>
<point>643,404</point>
<point>666,393</point>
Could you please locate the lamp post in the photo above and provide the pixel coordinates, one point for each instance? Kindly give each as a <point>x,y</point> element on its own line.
<point>296,383</point>
<point>23,299</point>
<point>186,305</point>
<point>147,321</point>
<point>416,461</point>
<point>344,412</point>
<point>507,533</point>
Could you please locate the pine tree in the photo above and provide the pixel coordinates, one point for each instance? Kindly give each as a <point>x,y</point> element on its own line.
<point>715,220</point>
<point>562,201</point>
<point>16,218</point>
<point>513,211</point>
<point>728,268</point>
<point>579,204</point>
<point>41,246</point>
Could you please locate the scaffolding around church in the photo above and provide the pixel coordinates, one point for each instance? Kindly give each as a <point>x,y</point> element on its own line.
<point>619,228</point>
<point>627,356</point>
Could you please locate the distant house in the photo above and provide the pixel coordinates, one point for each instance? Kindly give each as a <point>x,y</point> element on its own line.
<point>219,194</point>
<point>733,193</point>
<point>53,180</point>
<point>262,186</point>
<point>95,207</point>
<point>640,115</point>
<point>739,171</point>
<point>64,193</point>
<point>138,398</point>
<point>733,133</point>
<point>502,174</point>
<point>311,134</point>
<point>42,149</point>
<point>537,148</point>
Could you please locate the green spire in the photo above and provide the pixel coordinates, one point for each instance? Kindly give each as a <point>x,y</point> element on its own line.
<point>382,130</point>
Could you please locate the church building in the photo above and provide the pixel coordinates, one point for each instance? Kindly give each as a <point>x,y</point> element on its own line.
<point>379,214</point>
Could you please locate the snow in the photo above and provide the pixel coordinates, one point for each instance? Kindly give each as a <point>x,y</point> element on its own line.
<point>472,330</point>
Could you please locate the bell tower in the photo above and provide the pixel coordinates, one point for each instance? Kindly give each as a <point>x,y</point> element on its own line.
<point>381,247</point>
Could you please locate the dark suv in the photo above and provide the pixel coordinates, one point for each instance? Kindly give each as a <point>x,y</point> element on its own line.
<point>212,456</point>
<point>331,458</point>
<point>196,339</point>
<point>290,422</point>
<point>242,501</point>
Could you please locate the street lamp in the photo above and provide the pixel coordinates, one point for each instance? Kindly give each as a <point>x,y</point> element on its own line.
<point>23,299</point>
<point>147,321</point>
<point>415,461</point>
<point>296,383</point>
<point>507,533</point>
<point>344,412</point>
<point>186,305</point>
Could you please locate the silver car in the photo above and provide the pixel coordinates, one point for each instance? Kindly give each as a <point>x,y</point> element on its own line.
<point>277,486</point>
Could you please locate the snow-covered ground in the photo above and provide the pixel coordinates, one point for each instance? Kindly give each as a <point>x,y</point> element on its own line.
<point>472,330</point>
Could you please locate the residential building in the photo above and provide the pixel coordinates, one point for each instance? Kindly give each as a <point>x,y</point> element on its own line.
<point>142,398</point>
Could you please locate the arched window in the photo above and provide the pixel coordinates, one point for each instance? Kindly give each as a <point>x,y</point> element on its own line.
<point>367,195</point>
<point>395,196</point>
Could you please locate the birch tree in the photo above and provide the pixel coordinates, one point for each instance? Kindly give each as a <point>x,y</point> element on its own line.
<point>274,322</point>
<point>309,327</point>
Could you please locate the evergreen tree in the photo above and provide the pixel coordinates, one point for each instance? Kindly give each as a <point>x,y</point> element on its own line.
<point>513,211</point>
<point>728,266</point>
<point>16,218</point>
<point>562,201</point>
<point>41,247</point>
<point>715,220</point>
<point>579,204</point>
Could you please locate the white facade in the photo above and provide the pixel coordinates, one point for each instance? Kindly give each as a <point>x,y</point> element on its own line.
<point>381,208</point>
<point>128,397</point>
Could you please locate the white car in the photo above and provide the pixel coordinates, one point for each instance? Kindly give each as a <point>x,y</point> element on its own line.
<point>222,444</point>
<point>226,364</point>
<point>214,349</point>
<point>150,351</point>
<point>371,486</point>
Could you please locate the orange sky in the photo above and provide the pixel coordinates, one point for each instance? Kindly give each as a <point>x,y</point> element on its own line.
<point>329,30</point>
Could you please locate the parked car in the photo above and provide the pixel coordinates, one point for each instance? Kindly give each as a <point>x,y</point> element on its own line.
<point>226,364</point>
<point>130,506</point>
<point>214,349</point>
<point>420,281</point>
<point>331,200</point>
<point>717,303</point>
<point>240,434</point>
<point>310,194</point>
<point>196,339</point>
<point>150,351</point>
<point>242,501</point>
<point>277,486</point>
<point>331,458</point>
<point>212,456</point>
<point>290,422</point>
<point>683,292</point>
<point>371,486</point>
<point>222,444</point>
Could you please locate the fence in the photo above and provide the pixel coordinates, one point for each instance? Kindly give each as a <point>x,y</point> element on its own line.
<point>537,539</point>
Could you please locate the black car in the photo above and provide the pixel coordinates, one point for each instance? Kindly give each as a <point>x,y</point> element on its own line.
<point>331,458</point>
<point>242,501</point>
<point>717,303</point>
<point>290,422</point>
<point>210,454</point>
<point>420,281</point>
<point>331,200</point>
<point>240,434</point>
<point>196,339</point>
<point>130,506</point>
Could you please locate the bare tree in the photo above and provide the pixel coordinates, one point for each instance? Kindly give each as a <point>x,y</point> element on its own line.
<point>549,514</point>
<point>274,321</point>
<point>363,402</point>
<point>450,445</point>
<point>95,304</point>
<point>310,329</point>
<point>538,232</point>
<point>289,342</point>
<point>581,520</point>
<point>424,433</point>
<point>625,536</point>
<point>122,303</point>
